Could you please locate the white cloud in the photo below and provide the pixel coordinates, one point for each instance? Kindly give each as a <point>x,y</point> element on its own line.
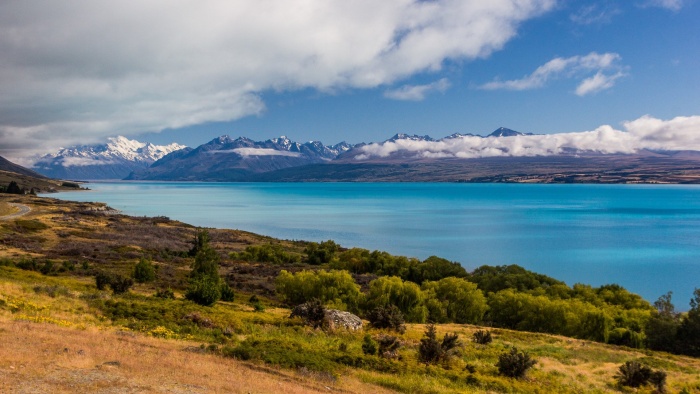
<point>597,83</point>
<point>595,14</point>
<point>417,92</point>
<point>75,71</point>
<point>681,133</point>
<point>575,67</point>
<point>245,152</point>
<point>673,5</point>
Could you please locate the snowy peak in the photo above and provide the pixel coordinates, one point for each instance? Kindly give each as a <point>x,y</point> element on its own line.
<point>402,136</point>
<point>504,132</point>
<point>112,160</point>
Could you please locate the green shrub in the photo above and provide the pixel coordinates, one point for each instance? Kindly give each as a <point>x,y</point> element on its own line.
<point>269,253</point>
<point>313,312</point>
<point>321,253</point>
<point>482,337</point>
<point>118,283</point>
<point>388,346</point>
<point>432,351</point>
<point>369,345</point>
<point>636,374</point>
<point>388,316</point>
<point>514,364</point>
<point>226,292</point>
<point>204,290</point>
<point>165,293</point>
<point>144,271</point>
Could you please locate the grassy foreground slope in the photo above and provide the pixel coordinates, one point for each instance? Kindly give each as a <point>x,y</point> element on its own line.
<point>61,334</point>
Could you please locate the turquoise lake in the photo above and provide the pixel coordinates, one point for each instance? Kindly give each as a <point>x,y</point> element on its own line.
<point>643,237</point>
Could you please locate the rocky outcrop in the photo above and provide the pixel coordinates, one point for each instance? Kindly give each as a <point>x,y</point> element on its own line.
<point>335,319</point>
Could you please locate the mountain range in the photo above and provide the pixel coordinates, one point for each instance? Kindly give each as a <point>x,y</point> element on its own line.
<point>504,155</point>
<point>114,160</point>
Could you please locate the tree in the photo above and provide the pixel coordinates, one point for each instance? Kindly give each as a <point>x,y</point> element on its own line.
<point>205,283</point>
<point>391,290</point>
<point>13,188</point>
<point>144,271</point>
<point>321,253</point>
<point>436,268</point>
<point>662,328</point>
<point>201,239</point>
<point>689,330</point>
<point>336,288</point>
<point>454,300</point>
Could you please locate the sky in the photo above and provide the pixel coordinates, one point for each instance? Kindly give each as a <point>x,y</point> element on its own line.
<point>162,71</point>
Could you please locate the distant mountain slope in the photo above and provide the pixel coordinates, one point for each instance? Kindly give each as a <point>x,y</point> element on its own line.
<point>227,159</point>
<point>114,160</point>
<point>6,165</point>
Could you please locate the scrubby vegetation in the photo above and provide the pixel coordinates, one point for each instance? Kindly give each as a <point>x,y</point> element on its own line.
<point>65,278</point>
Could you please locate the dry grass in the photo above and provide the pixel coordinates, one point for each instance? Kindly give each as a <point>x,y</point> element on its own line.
<point>40,358</point>
<point>7,209</point>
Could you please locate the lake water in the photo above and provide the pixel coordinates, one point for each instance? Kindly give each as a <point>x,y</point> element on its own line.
<point>644,237</point>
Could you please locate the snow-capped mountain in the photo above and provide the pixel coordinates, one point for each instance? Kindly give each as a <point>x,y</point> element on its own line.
<point>225,158</point>
<point>114,160</point>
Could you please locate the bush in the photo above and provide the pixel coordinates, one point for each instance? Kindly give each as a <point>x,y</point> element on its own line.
<point>388,346</point>
<point>226,292</point>
<point>144,271</point>
<point>313,312</point>
<point>514,364</point>
<point>369,345</point>
<point>388,316</point>
<point>482,337</point>
<point>165,293</point>
<point>636,374</point>
<point>269,253</point>
<point>431,351</point>
<point>204,290</point>
<point>119,284</point>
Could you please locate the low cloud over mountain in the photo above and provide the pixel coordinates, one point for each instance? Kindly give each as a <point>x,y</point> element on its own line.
<point>681,133</point>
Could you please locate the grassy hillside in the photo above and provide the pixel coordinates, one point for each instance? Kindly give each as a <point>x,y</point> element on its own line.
<point>61,334</point>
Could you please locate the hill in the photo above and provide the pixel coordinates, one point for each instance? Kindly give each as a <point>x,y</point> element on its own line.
<point>62,334</point>
<point>28,179</point>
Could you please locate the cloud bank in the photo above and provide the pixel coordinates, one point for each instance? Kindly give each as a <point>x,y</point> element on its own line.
<point>75,71</point>
<point>607,68</point>
<point>245,152</point>
<point>681,133</point>
<point>673,5</point>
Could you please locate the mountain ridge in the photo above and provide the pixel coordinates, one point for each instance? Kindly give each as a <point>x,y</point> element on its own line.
<point>114,159</point>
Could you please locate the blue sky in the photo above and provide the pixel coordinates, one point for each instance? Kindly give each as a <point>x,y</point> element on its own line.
<point>330,70</point>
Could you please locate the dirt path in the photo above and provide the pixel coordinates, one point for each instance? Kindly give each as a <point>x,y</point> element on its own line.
<point>23,210</point>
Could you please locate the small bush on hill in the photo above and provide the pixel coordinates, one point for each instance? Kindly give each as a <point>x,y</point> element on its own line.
<point>226,292</point>
<point>204,290</point>
<point>165,293</point>
<point>636,374</point>
<point>313,312</point>
<point>432,351</point>
<point>118,283</point>
<point>482,337</point>
<point>369,345</point>
<point>514,364</point>
<point>388,316</point>
<point>388,346</point>
<point>144,271</point>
